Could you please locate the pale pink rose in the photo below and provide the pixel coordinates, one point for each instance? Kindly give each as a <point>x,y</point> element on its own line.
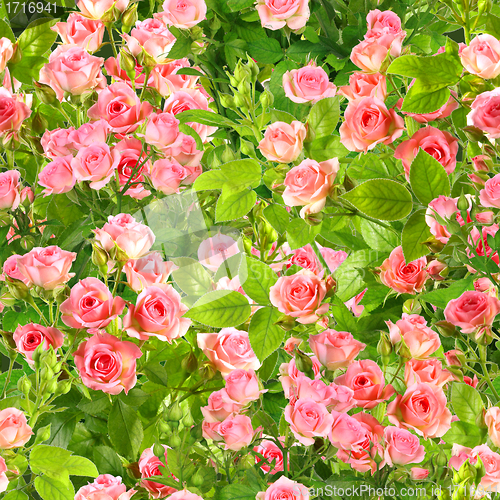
<point>105,363</point>
<point>184,495</point>
<point>219,407</point>
<point>4,480</point>
<point>157,313</point>
<point>185,100</point>
<point>300,296</point>
<point>483,285</point>
<point>10,190</point>
<point>485,111</point>
<point>444,207</point>
<point>166,80</point>
<point>367,123</point>
<point>306,258</point>
<point>242,387</point>
<point>350,433</point>
<point>482,57</point>
<point>443,112</point>
<point>472,310</point>
<point>57,176</point>
<point>120,106</point>
<point>95,164</point>
<point>421,340</point>
<point>95,9</point>
<point>149,465</point>
<point>489,196</point>
<point>272,453</point>
<point>422,409</point>
<point>378,20</point>
<point>81,31</point>
<point>401,277</point>
<point>492,421</point>
<point>236,431</point>
<point>290,344</point>
<point>148,270</point>
<point>334,397</point>
<point>275,14</point>
<point>308,419</point>
<point>213,251</point>
<point>209,430</point>
<point>308,84</point>
<point>114,69</point>
<point>47,267</point>
<point>418,474</point>
<point>88,134</point>
<point>459,454</point>
<point>27,196</point>
<point>14,429</point>
<point>162,131</point>
<point>184,14</point>
<point>105,487</point>
<point>71,69</point>
<point>283,142</point>
<point>90,305</point>
<point>186,153</point>
<point>290,375</point>
<point>353,303</point>
<point>167,175</point>
<point>491,461</point>
<point>11,270</point>
<point>367,381</point>
<point>309,184</point>
<point>6,52</point>
<point>57,143</point>
<point>441,145</point>
<point>365,85</point>
<point>30,336</point>
<point>333,258</point>
<point>482,217</point>
<point>335,349</point>
<point>13,112</point>
<point>402,447</point>
<point>122,231</point>
<point>228,350</point>
<point>428,371</point>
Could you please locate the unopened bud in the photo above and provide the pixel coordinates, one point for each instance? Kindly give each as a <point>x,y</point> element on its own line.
<point>227,101</point>
<point>466,473</point>
<point>175,440</point>
<point>174,413</point>
<point>99,256</point>
<point>63,387</point>
<point>159,451</point>
<point>384,346</point>
<point>253,67</point>
<point>241,73</point>
<point>7,299</point>
<point>286,323</point>
<point>207,371</point>
<point>18,289</point>
<point>188,421</point>
<point>266,99</point>
<point>304,363</point>
<point>314,219</point>
<point>129,18</point>
<point>43,434</point>
<point>463,202</point>
<point>412,306</point>
<point>24,385</point>
<point>45,94</point>
<point>446,329</point>
<point>197,479</point>
<point>247,461</point>
<point>190,363</point>
<point>27,197</point>
<point>17,54</point>
<point>127,63</point>
<point>228,154</point>
<point>51,386</point>
<point>28,242</point>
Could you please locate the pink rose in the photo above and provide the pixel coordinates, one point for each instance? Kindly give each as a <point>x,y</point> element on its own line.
<point>350,433</point>
<point>6,52</point>
<point>10,195</point>
<point>471,381</point>
<point>492,421</point>
<point>309,183</point>
<point>105,363</point>
<point>446,208</point>
<point>162,131</point>
<point>437,270</point>
<point>236,431</point>
<point>148,270</point>
<point>91,305</point>
<point>14,429</point>
<point>335,349</point>
<point>30,336</point>
<point>89,133</point>
<point>308,419</point>
<point>489,196</point>
<point>472,311</point>
<point>285,489</point>
<point>367,123</point>
<point>271,453</point>
<point>378,20</point>
<point>484,113</point>
<point>184,14</point>
<point>120,106</point>
<point>228,350</point>
<point>428,371</point>
<point>290,375</point>
<point>283,142</point>
<point>441,145</point>
<point>479,240</point>
<point>78,30</point>
<point>365,85</point>
<point>402,447</point>
<point>149,465</point>
<point>187,154</point>
<point>95,9</point>
<point>95,164</point>
<point>275,14</point>
<point>219,407</point>
<point>334,397</point>
<point>57,176</point>
<point>123,232</point>
<point>71,69</point>
<point>300,296</point>
<point>167,175</point>
<point>418,474</point>
<point>4,480</point>
<point>57,143</point>
<point>290,344</point>
<point>452,357</point>
<point>47,267</point>
<point>242,386</point>
<point>13,112</point>
<point>422,409</point>
<point>353,304</point>
<point>114,69</point>
<point>306,258</point>
<point>401,277</point>
<point>367,381</point>
<point>157,313</point>
<point>482,57</point>
<point>481,163</point>
<point>491,461</point>
<point>166,80</point>
<point>184,495</point>
<point>459,454</point>
<point>11,270</point>
<point>333,258</point>
<point>308,84</point>
<point>105,487</point>
<point>213,251</point>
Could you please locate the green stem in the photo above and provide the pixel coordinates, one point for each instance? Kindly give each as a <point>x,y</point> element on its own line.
<point>111,39</point>
<point>7,380</point>
<point>482,360</point>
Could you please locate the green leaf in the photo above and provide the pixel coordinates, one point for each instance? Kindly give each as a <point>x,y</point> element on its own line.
<point>370,166</point>
<point>241,175</point>
<point>235,5</point>
<point>378,237</point>
<point>465,434</point>
<point>205,118</point>
<point>220,309</point>
<point>423,99</point>
<point>428,178</point>
<point>125,429</point>
<point>324,116</point>
<point>213,179</point>
<point>466,401</point>
<point>191,277</point>
<point>326,148</point>
<point>107,461</point>
<point>53,489</point>
<point>97,405</point>
<point>235,206</point>
<point>156,373</point>
<point>299,233</point>
<point>344,318</point>
<point>381,199</point>
<point>442,296</point>
<point>415,232</point>
<point>238,492</point>
<point>6,31</point>
<point>256,278</point>
<point>266,50</point>
<point>181,48</point>
<point>16,495</point>
<point>278,217</point>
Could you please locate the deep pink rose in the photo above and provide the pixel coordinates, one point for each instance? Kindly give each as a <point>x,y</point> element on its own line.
<point>149,465</point>
<point>95,164</point>
<point>485,113</point>
<point>285,489</point>
<point>30,336</point>
<point>272,453</point>
<point>71,69</point>
<point>47,267</point>
<point>105,363</point>
<point>482,57</point>
<point>283,142</point>
<point>308,84</point>
<point>308,419</point>
<point>91,305</point>
<point>81,31</point>
<point>219,407</point>
<point>422,409</point>
<point>166,80</point>
<point>365,85</point>
<point>14,429</point>
<point>95,9</point>
<point>57,142</point>
<point>10,190</point>
<point>402,277</point>
<point>57,176</point>
<point>184,14</point>
<point>13,112</point>
<point>402,447</point>
<point>148,270</point>
<point>276,14</point>
<point>428,371</point>
<point>242,387</point>
<point>105,487</point>
<point>213,251</point>
<point>367,123</point>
